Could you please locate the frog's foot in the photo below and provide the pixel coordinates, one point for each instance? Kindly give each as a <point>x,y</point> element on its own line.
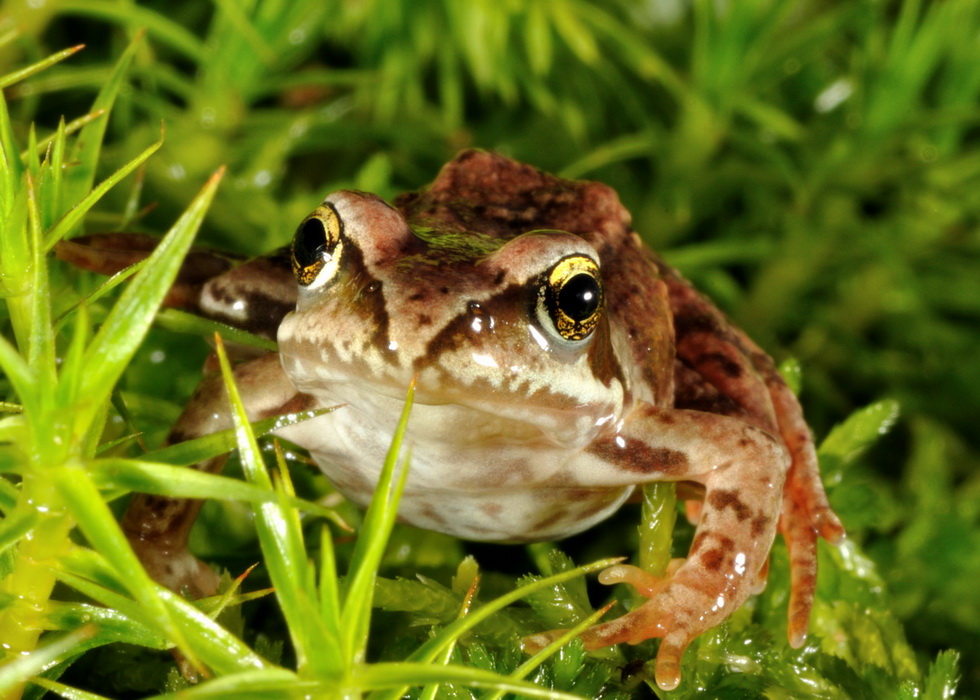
<point>674,611</point>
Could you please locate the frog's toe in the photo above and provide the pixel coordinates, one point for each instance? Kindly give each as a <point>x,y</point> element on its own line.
<point>801,541</point>
<point>646,584</point>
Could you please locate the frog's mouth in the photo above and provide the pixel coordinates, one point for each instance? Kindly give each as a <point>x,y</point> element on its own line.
<point>456,417</point>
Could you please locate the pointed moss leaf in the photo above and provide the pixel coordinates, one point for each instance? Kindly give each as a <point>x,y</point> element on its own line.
<point>56,141</point>
<point>271,683</point>
<point>15,526</point>
<point>466,573</point>
<point>41,351</point>
<point>379,520</point>
<point>74,215</point>
<point>943,676</point>
<point>85,153</point>
<point>861,429</point>
<point>12,167</point>
<point>130,318</point>
<point>19,373</point>
<point>223,441</point>
<point>431,602</point>
<point>18,75</point>
<point>112,625</point>
<point>180,482</point>
<point>184,322</point>
<point>99,526</point>
<point>65,691</point>
<point>200,636</point>
<point>280,534</point>
<point>21,669</point>
<point>389,675</point>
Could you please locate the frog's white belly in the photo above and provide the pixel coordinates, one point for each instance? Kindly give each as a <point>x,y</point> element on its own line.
<point>483,483</point>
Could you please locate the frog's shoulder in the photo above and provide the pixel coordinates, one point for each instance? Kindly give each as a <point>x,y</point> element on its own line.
<point>502,198</point>
<point>251,294</point>
<point>717,367</point>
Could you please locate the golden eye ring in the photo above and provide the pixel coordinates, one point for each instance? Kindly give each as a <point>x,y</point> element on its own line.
<point>317,246</point>
<point>572,297</point>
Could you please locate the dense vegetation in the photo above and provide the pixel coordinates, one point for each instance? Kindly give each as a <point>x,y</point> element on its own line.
<point>813,165</point>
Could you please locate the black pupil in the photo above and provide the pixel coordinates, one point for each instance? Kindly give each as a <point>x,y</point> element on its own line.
<point>579,297</point>
<point>310,242</point>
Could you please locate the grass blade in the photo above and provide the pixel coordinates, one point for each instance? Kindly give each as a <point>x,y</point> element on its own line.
<point>180,482</point>
<point>358,592</point>
<point>17,672</point>
<point>74,215</point>
<point>78,180</point>
<point>281,538</point>
<point>132,315</point>
<point>18,75</point>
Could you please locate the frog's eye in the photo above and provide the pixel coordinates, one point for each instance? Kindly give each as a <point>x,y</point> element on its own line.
<point>317,247</point>
<point>570,298</point>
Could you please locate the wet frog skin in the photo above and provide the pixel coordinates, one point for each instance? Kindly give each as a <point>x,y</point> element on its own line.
<point>560,363</point>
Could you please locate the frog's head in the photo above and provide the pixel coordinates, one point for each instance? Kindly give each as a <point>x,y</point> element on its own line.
<point>514,326</point>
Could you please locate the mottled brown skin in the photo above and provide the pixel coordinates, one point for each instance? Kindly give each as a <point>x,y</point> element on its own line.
<point>663,388</point>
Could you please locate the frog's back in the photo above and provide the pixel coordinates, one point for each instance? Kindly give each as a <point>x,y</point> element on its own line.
<point>487,194</point>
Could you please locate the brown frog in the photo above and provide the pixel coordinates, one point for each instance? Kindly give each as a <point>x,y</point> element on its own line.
<point>559,363</point>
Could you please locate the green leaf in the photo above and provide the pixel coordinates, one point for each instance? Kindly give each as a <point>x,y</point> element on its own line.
<point>18,75</point>
<point>223,441</point>
<point>404,674</point>
<point>74,216</point>
<point>21,669</point>
<point>943,676</point>
<point>99,526</point>
<point>127,323</point>
<point>861,429</point>
<point>180,482</point>
<point>184,623</point>
<point>88,146</point>
<point>184,322</point>
<point>357,593</point>
<point>317,647</point>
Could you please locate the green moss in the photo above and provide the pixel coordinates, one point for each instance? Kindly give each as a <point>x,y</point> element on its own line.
<point>813,166</point>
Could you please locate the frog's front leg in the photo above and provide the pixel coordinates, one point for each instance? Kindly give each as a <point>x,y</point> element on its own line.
<point>157,526</point>
<point>742,469</point>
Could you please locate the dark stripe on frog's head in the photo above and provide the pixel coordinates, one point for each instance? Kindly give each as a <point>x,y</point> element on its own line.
<point>367,298</point>
<point>457,332</point>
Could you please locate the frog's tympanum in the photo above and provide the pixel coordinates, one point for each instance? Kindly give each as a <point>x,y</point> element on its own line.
<point>559,364</point>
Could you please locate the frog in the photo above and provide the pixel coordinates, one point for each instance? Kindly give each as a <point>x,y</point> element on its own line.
<point>559,364</point>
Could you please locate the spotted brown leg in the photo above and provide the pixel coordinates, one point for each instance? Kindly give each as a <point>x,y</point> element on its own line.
<point>742,469</point>
<point>158,526</point>
<point>806,511</point>
<point>720,370</point>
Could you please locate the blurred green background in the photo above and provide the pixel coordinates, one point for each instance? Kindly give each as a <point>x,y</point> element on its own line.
<point>812,165</point>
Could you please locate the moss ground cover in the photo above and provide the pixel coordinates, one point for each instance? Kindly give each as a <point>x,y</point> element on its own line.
<point>814,166</point>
